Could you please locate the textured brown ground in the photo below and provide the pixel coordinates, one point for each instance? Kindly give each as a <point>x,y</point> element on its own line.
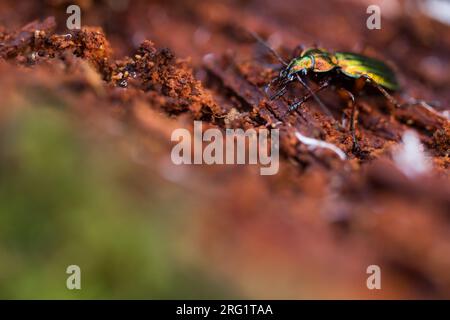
<point>312,229</point>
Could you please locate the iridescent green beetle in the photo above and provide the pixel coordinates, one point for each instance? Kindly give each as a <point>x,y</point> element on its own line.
<point>351,65</point>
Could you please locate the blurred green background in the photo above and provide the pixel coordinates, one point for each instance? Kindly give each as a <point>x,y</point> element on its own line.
<point>63,201</point>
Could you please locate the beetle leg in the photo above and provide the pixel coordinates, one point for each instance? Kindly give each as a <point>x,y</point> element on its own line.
<point>350,98</point>
<point>324,107</point>
<point>278,94</point>
<point>295,105</point>
<point>390,98</point>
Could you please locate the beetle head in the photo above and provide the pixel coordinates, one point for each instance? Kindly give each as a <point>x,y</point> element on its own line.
<point>299,66</point>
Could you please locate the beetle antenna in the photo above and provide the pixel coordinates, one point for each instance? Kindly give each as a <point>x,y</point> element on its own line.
<point>261,41</point>
<point>321,104</point>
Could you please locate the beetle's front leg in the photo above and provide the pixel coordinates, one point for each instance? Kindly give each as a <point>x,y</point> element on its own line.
<point>306,97</point>
<point>278,94</point>
<point>294,106</point>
